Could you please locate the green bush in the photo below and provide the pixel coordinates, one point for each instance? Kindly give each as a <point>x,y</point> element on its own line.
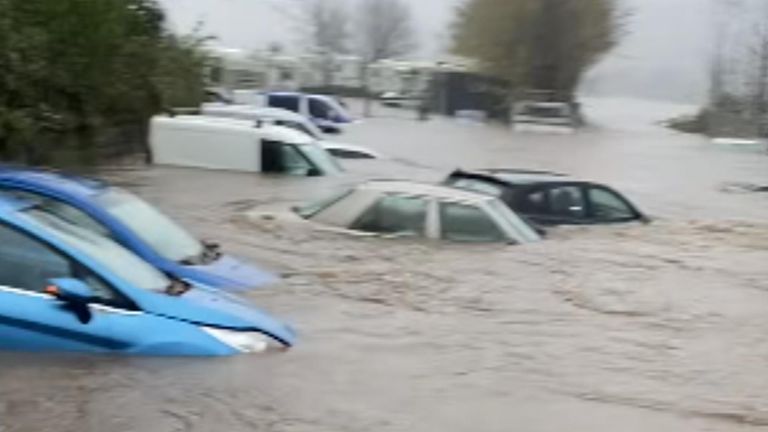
<point>72,69</point>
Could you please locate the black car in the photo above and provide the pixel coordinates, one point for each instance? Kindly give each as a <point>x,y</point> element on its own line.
<point>548,198</point>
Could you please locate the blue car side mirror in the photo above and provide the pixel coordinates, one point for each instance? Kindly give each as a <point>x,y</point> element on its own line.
<point>70,290</point>
<point>75,295</point>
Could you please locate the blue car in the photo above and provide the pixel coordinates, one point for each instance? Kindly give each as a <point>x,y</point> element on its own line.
<point>132,222</point>
<point>65,288</point>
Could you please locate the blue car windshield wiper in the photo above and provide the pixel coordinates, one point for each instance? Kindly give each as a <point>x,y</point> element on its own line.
<point>177,287</point>
<point>211,252</point>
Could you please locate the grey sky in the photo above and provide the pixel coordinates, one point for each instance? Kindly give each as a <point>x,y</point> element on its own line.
<point>254,23</point>
<point>664,54</point>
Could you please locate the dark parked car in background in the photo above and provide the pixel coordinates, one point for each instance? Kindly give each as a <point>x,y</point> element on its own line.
<point>548,198</point>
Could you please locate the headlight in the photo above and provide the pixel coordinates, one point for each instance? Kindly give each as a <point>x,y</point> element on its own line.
<point>246,342</point>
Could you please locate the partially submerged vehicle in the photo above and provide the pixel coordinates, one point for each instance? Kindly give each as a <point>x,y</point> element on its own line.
<point>554,117</point>
<point>118,214</point>
<point>289,119</point>
<point>746,144</point>
<point>394,208</point>
<point>65,288</point>
<point>237,145</point>
<point>400,100</point>
<point>549,198</point>
<point>324,111</point>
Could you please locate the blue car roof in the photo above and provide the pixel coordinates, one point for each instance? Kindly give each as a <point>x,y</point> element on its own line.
<point>51,180</point>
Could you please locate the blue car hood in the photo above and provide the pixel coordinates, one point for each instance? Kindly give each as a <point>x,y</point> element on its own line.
<point>231,274</point>
<point>213,308</point>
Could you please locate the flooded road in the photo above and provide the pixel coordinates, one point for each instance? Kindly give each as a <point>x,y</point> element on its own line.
<point>643,328</point>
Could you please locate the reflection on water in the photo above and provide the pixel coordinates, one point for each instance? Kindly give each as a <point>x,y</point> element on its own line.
<point>657,327</point>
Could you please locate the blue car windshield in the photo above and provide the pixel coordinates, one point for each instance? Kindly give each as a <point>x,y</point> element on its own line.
<point>154,228</point>
<point>119,261</point>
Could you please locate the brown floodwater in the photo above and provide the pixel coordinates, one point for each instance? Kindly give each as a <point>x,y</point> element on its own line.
<point>636,328</point>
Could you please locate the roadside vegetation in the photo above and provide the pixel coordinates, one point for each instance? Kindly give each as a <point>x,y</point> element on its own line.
<point>737,105</point>
<point>83,76</point>
<point>538,44</point>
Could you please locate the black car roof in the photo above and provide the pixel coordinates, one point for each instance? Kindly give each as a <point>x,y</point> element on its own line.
<point>513,176</point>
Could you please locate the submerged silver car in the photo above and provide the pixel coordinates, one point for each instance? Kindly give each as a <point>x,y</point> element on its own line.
<point>410,209</point>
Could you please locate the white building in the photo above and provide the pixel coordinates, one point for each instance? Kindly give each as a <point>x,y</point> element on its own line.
<point>236,69</point>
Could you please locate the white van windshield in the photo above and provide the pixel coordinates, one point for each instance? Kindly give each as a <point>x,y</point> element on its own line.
<point>320,157</point>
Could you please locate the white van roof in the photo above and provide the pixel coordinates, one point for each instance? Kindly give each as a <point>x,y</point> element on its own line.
<point>263,112</point>
<point>224,124</point>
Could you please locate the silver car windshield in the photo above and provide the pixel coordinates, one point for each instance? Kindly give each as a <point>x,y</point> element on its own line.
<point>513,223</point>
<point>119,261</point>
<point>164,236</point>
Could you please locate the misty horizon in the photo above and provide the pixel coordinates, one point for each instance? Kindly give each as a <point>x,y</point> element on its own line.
<point>663,55</point>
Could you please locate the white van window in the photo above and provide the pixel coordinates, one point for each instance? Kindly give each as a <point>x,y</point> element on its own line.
<point>320,109</point>
<point>288,102</point>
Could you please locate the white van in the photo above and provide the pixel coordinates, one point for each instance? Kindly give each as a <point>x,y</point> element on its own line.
<point>324,111</point>
<point>237,145</point>
<point>281,117</point>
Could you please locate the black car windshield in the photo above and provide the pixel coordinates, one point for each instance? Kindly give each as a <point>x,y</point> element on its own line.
<point>164,236</point>
<point>476,185</point>
<point>119,261</point>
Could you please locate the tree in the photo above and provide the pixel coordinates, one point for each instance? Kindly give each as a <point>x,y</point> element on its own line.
<point>386,31</point>
<point>80,67</point>
<point>537,44</point>
<point>325,25</point>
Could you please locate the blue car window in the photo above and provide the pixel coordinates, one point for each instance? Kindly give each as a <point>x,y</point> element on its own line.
<point>61,209</point>
<point>117,260</point>
<point>28,264</point>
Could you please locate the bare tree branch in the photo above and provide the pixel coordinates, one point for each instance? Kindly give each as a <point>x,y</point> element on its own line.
<point>386,29</point>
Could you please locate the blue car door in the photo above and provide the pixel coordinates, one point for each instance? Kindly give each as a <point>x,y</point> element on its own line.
<point>30,319</point>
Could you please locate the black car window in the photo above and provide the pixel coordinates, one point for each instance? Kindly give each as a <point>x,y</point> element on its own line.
<point>28,264</point>
<point>394,214</point>
<point>61,209</point>
<point>567,202</point>
<point>464,223</point>
<point>608,206</point>
<point>288,102</point>
<point>535,203</point>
